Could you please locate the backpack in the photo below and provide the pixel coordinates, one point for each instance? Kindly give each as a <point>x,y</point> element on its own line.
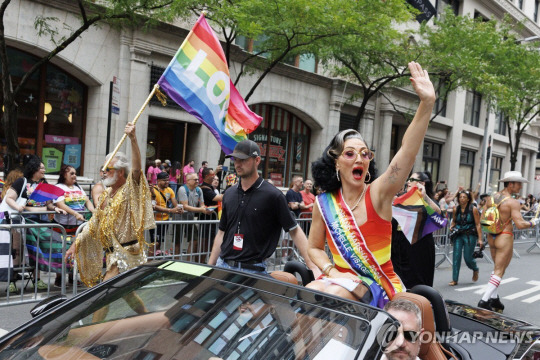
<point>197,190</point>
<point>491,218</point>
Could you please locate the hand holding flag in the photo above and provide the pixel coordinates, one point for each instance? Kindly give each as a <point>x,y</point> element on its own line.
<point>45,192</point>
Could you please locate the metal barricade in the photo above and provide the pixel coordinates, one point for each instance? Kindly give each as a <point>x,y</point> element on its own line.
<point>38,256</point>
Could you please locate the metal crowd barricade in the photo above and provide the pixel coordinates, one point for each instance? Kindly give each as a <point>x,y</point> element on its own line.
<point>26,272</point>
<point>443,247</point>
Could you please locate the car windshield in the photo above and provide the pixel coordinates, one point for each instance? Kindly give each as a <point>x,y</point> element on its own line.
<point>175,312</point>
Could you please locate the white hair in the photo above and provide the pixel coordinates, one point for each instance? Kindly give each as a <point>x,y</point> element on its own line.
<point>122,162</point>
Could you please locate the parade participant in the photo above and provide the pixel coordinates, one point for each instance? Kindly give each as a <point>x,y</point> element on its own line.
<point>253,214</point>
<point>406,344</point>
<point>501,245</point>
<point>466,219</point>
<point>356,217</point>
<point>118,224</point>
<point>415,263</point>
<point>98,188</point>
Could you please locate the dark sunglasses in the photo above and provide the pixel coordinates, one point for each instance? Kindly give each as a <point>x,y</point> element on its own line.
<point>107,169</point>
<point>411,179</point>
<point>409,335</point>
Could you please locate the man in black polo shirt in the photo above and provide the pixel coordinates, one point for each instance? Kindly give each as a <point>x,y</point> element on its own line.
<point>253,214</point>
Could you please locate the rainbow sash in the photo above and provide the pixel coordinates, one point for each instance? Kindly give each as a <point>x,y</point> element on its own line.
<point>351,245</point>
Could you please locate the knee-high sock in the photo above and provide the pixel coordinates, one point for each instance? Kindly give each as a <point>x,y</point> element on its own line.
<point>494,294</point>
<point>493,284</point>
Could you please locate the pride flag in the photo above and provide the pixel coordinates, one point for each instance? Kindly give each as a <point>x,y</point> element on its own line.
<point>198,80</point>
<point>415,217</point>
<point>45,192</point>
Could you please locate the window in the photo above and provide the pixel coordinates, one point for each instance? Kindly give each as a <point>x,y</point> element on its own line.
<point>432,158</point>
<point>466,167</point>
<point>346,121</point>
<point>441,5</point>
<point>520,4</point>
<point>51,114</point>
<point>473,102</point>
<point>495,172</point>
<point>394,143</point>
<point>284,142</point>
<point>536,5</point>
<point>500,124</point>
<point>440,102</point>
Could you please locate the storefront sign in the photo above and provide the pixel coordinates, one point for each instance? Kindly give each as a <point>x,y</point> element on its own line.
<point>263,138</point>
<point>115,99</point>
<point>277,179</point>
<point>277,152</point>
<point>52,158</point>
<point>72,156</point>
<point>57,139</point>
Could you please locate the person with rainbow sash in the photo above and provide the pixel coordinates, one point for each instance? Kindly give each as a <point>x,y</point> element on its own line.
<point>354,217</point>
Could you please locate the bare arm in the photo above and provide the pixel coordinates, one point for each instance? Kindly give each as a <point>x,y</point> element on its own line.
<point>476,215</point>
<point>135,152</point>
<point>62,205</point>
<point>519,222</point>
<point>301,242</point>
<point>11,200</point>
<point>392,180</point>
<point>216,248</point>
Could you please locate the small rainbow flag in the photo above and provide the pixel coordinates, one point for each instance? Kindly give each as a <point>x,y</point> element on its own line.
<point>415,217</point>
<point>2,182</point>
<point>45,192</point>
<point>198,80</point>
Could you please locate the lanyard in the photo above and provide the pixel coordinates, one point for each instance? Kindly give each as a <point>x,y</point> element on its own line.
<point>247,197</point>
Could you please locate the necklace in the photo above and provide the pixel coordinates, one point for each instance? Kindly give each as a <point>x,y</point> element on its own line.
<point>359,198</point>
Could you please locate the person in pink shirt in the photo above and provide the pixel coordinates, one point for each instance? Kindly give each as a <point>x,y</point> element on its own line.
<point>153,171</point>
<point>188,169</point>
<point>204,164</point>
<point>307,196</point>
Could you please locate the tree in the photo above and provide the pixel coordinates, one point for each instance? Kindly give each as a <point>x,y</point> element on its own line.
<point>142,13</point>
<point>487,57</point>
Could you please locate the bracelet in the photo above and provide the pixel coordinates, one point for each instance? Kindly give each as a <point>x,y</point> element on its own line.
<point>532,224</point>
<point>326,268</point>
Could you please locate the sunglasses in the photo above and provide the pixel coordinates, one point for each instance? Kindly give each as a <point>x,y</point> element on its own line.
<point>107,169</point>
<point>411,179</point>
<point>409,335</point>
<point>352,154</point>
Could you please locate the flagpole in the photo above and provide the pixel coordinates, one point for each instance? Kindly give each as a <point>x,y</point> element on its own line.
<point>156,87</point>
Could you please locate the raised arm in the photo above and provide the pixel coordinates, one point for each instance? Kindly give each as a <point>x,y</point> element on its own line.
<point>393,179</point>
<point>135,151</point>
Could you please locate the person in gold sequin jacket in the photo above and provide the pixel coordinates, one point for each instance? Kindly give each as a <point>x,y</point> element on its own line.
<point>123,213</point>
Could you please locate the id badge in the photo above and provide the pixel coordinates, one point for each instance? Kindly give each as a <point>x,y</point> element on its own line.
<point>238,242</point>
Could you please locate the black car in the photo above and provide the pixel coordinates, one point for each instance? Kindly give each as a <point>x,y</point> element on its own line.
<point>178,310</point>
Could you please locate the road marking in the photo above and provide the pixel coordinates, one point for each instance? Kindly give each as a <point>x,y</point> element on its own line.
<point>525,292</point>
<point>3,332</point>
<point>531,299</point>
<point>480,289</point>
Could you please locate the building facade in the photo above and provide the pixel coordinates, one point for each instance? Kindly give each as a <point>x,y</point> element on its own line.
<point>64,112</point>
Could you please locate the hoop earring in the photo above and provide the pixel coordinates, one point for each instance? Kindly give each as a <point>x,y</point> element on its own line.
<point>367,180</point>
<point>337,175</point>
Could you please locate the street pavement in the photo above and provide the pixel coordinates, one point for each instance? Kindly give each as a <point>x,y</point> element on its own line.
<point>519,291</point>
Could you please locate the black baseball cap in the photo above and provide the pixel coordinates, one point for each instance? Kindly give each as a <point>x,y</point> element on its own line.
<point>245,149</point>
<point>162,175</point>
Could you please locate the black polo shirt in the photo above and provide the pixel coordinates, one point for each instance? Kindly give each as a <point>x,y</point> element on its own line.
<point>262,212</point>
<point>208,194</point>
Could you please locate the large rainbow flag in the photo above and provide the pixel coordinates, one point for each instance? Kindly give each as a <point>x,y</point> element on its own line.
<point>198,80</point>
<point>415,217</point>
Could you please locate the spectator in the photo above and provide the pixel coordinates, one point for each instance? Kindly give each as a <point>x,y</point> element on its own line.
<point>211,200</point>
<point>166,204</point>
<point>175,175</point>
<point>188,169</point>
<point>73,202</point>
<point>307,196</point>
<point>153,171</point>
<point>253,214</point>
<point>10,179</point>
<point>191,197</point>
<point>231,180</point>
<point>215,185</point>
<point>201,177</point>
<point>405,343</point>
<point>34,174</point>
<point>294,198</point>
<point>466,219</point>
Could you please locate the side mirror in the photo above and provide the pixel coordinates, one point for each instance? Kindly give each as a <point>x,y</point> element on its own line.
<point>47,304</point>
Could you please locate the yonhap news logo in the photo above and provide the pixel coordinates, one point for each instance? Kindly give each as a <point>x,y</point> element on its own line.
<point>390,333</point>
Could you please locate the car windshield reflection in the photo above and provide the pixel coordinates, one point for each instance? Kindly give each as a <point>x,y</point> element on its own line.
<point>161,314</point>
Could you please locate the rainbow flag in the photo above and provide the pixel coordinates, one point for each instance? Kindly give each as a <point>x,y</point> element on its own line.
<point>198,80</point>
<point>415,217</point>
<point>2,182</point>
<point>45,192</point>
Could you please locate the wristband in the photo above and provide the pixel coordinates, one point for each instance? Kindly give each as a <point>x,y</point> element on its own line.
<point>326,269</point>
